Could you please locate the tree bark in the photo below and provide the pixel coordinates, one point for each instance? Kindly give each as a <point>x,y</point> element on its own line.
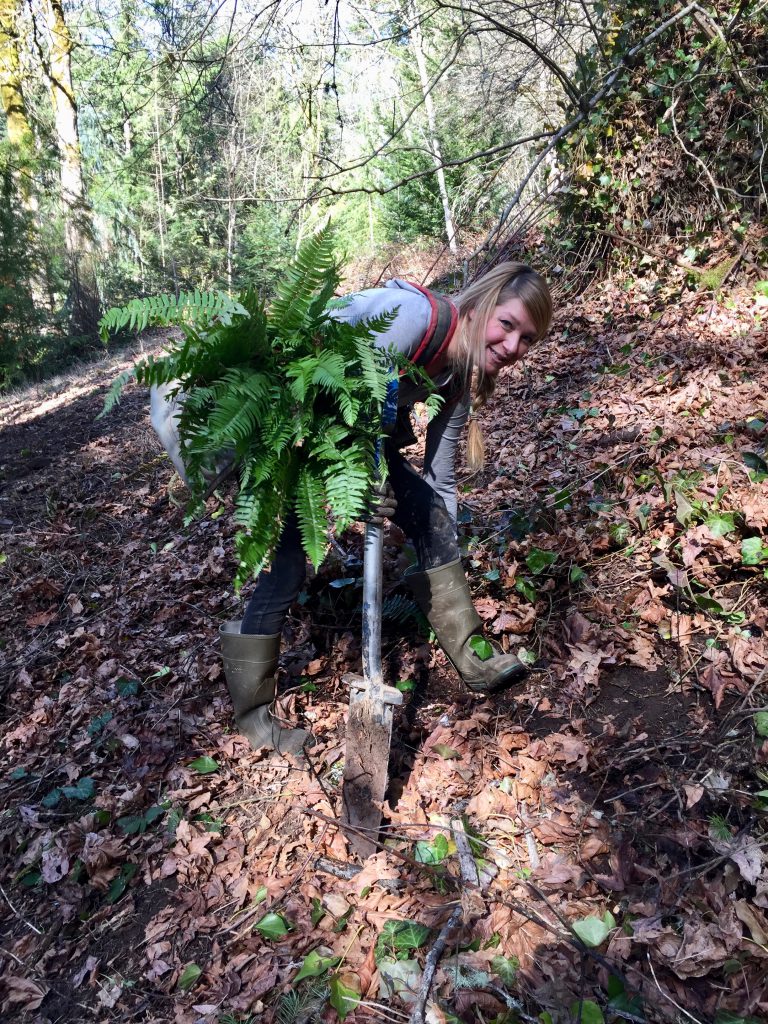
<point>11,91</point>
<point>417,41</point>
<point>78,225</point>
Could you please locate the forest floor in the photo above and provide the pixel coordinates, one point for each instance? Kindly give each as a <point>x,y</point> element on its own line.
<point>154,868</point>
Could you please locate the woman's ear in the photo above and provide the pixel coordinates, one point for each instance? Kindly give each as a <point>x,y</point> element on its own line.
<point>471,313</point>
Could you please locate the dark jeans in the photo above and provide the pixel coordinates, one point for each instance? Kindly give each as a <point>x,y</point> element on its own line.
<point>421,515</point>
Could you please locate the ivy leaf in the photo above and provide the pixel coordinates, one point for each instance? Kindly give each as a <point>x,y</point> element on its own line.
<point>755,462</point>
<point>343,998</point>
<point>399,937</point>
<point>433,852</point>
<point>752,551</point>
<point>314,965</point>
<point>538,560</point>
<point>593,931</point>
<point>120,884</point>
<point>481,647</point>
<point>189,976</point>
<point>506,969</point>
<point>587,1011</point>
<point>82,790</point>
<point>273,926</point>
<point>761,723</point>
<point>447,753</point>
<point>684,509</point>
<point>127,687</point>
<point>318,911</point>
<point>204,765</point>
<point>708,604</point>
<point>721,523</point>
<point>132,823</point>
<point>527,657</point>
<point>526,588</point>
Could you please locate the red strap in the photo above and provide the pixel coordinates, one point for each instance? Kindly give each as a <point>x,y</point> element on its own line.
<point>429,334</point>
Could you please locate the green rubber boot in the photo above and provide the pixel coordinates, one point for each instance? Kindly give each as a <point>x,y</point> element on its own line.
<point>250,667</point>
<point>443,596</point>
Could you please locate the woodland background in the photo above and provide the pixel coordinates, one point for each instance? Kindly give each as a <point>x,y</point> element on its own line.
<point>152,867</point>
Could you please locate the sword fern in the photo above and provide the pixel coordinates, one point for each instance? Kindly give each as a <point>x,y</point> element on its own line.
<point>293,395</point>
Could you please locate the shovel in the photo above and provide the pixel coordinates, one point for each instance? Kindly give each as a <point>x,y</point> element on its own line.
<point>371,703</point>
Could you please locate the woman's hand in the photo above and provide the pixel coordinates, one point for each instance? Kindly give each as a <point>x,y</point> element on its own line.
<point>382,504</point>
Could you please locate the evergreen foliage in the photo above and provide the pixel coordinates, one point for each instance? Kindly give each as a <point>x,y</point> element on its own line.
<point>293,395</point>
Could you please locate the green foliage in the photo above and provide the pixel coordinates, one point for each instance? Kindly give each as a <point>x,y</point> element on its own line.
<point>593,931</point>
<point>197,307</point>
<point>298,1006</point>
<point>674,149</point>
<point>481,647</point>
<point>314,965</point>
<point>432,852</point>
<point>204,765</point>
<point>189,976</point>
<point>397,938</point>
<point>343,998</point>
<point>290,393</point>
<point>273,926</point>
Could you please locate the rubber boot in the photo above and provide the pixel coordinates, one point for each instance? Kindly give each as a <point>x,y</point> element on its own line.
<point>250,667</point>
<point>443,596</point>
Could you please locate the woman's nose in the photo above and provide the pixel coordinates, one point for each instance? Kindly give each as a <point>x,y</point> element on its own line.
<point>512,343</point>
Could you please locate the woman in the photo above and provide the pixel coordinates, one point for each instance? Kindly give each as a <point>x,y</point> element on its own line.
<point>499,317</point>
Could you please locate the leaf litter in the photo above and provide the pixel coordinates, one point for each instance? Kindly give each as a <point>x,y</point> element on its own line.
<point>155,868</point>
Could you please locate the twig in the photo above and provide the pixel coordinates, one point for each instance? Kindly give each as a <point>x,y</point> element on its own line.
<point>7,952</point>
<point>470,877</point>
<point>19,914</point>
<point>339,869</point>
<point>667,995</point>
<point>530,842</point>
<point>511,1003</point>
<point>467,866</point>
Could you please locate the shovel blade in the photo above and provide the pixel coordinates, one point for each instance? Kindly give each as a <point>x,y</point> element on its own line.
<point>369,732</point>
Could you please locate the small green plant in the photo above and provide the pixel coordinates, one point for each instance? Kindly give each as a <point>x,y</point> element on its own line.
<point>398,938</point>
<point>290,394</point>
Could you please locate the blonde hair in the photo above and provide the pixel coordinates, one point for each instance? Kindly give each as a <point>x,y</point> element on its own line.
<point>505,281</point>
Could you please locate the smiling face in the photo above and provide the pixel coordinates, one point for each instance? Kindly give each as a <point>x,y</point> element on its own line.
<point>509,334</point>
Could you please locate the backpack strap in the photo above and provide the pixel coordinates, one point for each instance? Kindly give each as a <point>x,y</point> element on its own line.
<point>442,325</point>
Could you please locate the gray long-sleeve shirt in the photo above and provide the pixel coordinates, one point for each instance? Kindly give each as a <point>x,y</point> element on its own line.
<point>405,334</point>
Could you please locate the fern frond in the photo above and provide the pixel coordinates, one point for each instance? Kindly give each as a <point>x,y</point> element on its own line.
<point>166,310</point>
<point>310,509</point>
<point>115,391</point>
<point>398,609</point>
<point>329,372</point>
<point>312,270</point>
<point>374,369</point>
<point>347,486</point>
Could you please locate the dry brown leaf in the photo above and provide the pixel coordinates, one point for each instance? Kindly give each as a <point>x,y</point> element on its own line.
<point>23,993</point>
<point>756,922</point>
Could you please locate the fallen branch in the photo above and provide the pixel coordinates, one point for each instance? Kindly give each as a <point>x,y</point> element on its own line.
<point>470,878</point>
<point>339,869</point>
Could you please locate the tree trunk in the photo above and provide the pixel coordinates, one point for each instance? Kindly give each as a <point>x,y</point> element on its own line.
<point>78,225</point>
<point>12,95</point>
<point>417,41</point>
